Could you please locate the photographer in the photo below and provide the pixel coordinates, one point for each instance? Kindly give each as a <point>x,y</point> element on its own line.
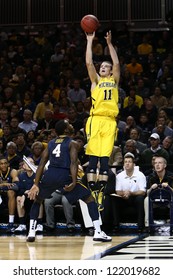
<point>159,179</point>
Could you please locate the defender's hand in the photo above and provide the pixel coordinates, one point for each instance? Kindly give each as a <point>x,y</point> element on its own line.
<point>33,192</point>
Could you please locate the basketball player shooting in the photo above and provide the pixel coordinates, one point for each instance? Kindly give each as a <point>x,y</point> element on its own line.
<point>101,125</point>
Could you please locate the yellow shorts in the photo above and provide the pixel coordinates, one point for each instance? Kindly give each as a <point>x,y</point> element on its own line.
<point>101,135</point>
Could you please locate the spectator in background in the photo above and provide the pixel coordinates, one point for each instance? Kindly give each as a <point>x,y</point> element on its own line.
<point>158,99</point>
<point>167,144</point>
<point>76,93</point>
<point>14,127</point>
<point>31,137</point>
<point>6,134</point>
<point>9,185</point>
<point>134,67</point>
<point>144,48</point>
<point>26,179</point>
<point>4,117</point>
<point>154,149</point>
<point>135,135</point>
<point>131,189</point>
<point>39,113</point>
<point>149,109</point>
<point>73,120</point>
<point>138,98</point>
<point>9,98</point>
<point>131,109</point>
<point>47,122</point>
<point>11,155</point>
<point>22,149</point>
<point>131,147</point>
<point>37,149</point>
<point>167,131</point>
<point>28,124</point>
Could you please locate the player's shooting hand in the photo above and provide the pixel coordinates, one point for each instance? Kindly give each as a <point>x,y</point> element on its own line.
<point>90,36</point>
<point>69,188</point>
<point>33,192</point>
<point>164,185</point>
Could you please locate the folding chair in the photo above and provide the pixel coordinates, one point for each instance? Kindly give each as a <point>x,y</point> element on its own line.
<point>161,197</point>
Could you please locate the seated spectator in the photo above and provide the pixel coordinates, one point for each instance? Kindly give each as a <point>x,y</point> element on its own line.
<point>145,128</point>
<point>4,117</point>
<point>11,155</point>
<point>130,189</point>
<point>134,67</point>
<point>158,99</point>
<point>6,134</point>
<point>131,109</point>
<point>31,137</point>
<point>28,102</point>
<point>161,177</point>
<point>49,206</point>
<point>73,120</point>
<point>116,158</point>
<point>138,98</point>
<point>167,131</point>
<point>22,148</point>
<point>28,124</point>
<point>14,127</point>
<point>8,187</point>
<point>167,144</point>
<point>2,148</point>
<point>149,109</point>
<point>131,147</point>
<point>135,135</point>
<point>37,149</point>
<point>26,179</point>
<point>76,94</point>
<point>144,48</point>
<point>9,98</point>
<point>130,123</point>
<point>57,115</point>
<point>154,149</point>
<point>81,114</point>
<point>47,122</point>
<point>141,89</point>
<point>39,113</point>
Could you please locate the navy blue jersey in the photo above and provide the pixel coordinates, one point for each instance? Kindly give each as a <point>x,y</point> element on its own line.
<point>25,182</point>
<point>6,178</point>
<point>59,155</point>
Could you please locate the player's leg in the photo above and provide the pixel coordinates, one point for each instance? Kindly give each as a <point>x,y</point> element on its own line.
<point>34,213</point>
<point>99,235</point>
<point>103,178</point>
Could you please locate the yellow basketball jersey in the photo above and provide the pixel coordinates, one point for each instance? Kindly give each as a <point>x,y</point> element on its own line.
<point>105,98</point>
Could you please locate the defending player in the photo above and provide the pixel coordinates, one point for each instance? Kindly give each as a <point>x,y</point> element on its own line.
<point>62,153</point>
<point>101,125</point>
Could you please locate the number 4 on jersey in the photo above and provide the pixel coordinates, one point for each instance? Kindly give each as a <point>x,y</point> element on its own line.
<point>57,150</point>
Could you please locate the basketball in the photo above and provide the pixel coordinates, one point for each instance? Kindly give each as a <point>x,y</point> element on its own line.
<point>89,23</point>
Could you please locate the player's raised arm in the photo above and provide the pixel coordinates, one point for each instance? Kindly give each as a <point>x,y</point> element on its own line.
<point>89,61</point>
<point>114,56</point>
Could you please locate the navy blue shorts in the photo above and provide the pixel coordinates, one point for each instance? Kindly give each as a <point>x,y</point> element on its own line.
<point>80,191</point>
<point>53,179</point>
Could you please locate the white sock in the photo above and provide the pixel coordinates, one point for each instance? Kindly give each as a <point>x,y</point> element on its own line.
<point>32,226</point>
<point>96,225</point>
<point>11,219</point>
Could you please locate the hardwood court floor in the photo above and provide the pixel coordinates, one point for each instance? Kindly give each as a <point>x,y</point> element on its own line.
<point>56,247</point>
